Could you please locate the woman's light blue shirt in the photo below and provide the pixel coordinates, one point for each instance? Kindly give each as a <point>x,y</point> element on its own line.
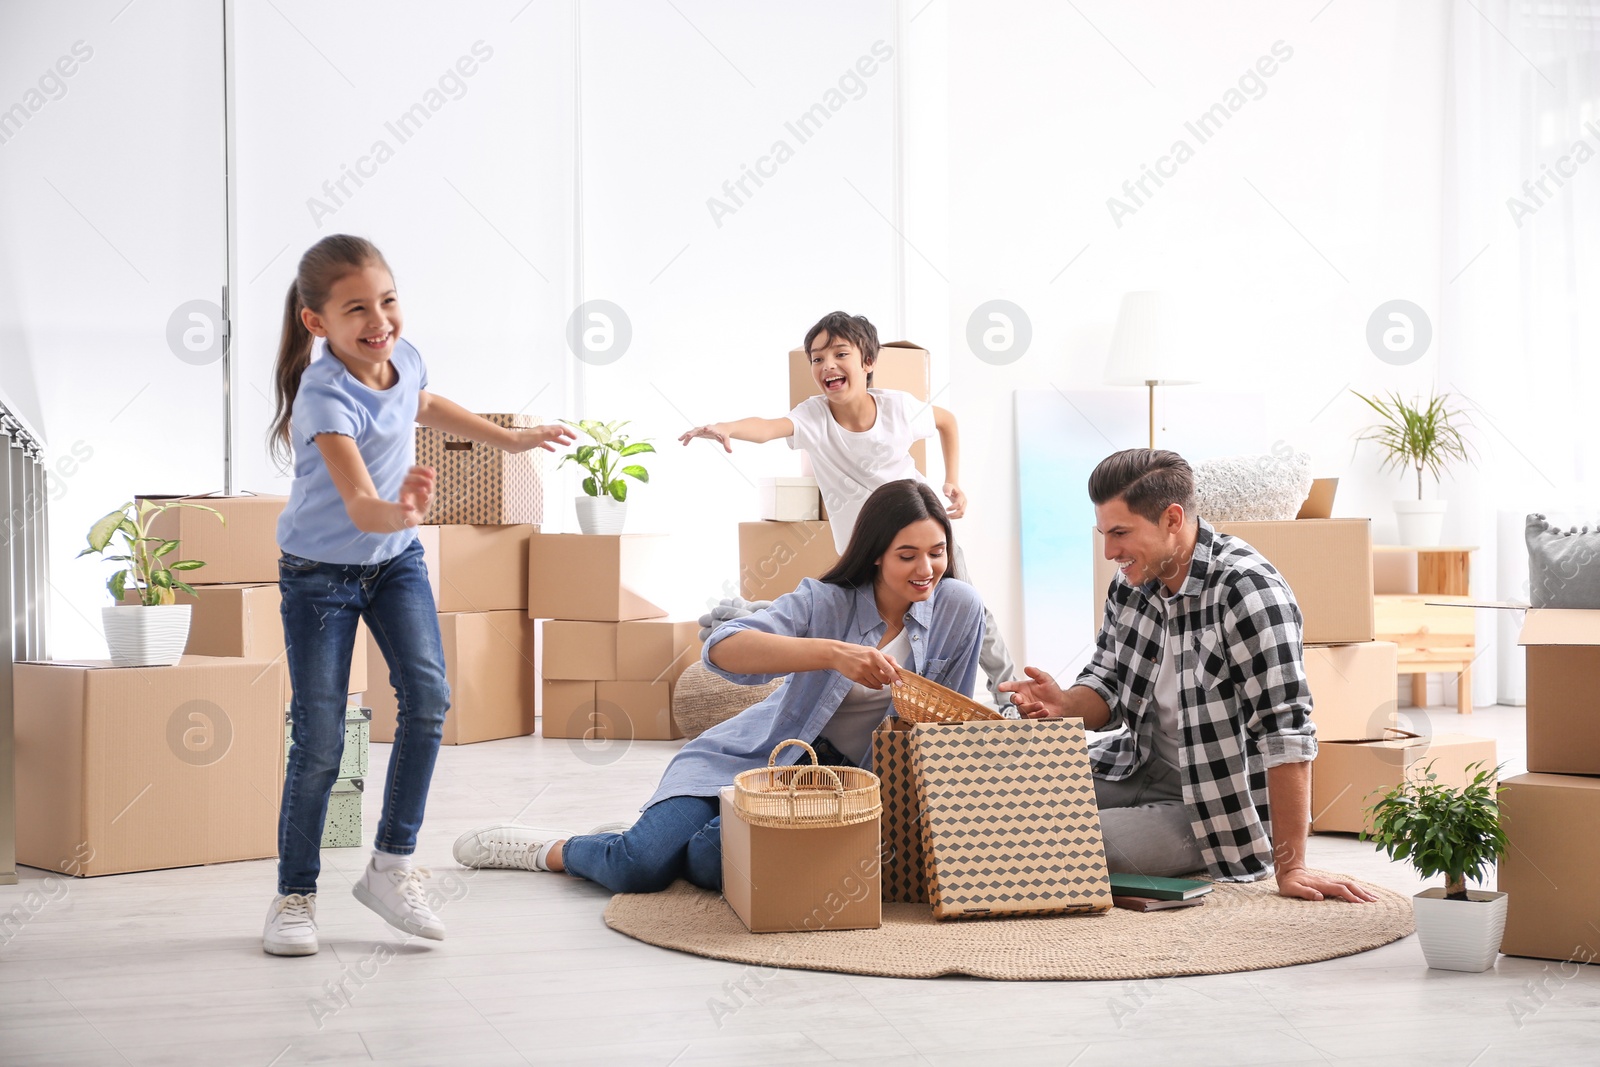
<point>946,634</point>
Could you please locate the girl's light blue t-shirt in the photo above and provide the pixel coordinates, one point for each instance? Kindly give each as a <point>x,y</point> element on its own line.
<point>383,422</point>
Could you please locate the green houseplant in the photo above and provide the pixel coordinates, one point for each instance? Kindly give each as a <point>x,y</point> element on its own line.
<point>1422,437</point>
<point>603,505</point>
<point>1452,831</point>
<point>154,630</point>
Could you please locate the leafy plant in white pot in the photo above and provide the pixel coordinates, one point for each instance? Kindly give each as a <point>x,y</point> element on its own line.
<point>1454,832</point>
<point>603,506</point>
<point>153,632</point>
<point>1425,438</point>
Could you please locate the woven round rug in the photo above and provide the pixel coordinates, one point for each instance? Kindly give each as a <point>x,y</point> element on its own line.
<point>1239,928</point>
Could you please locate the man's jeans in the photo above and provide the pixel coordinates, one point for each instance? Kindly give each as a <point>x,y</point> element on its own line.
<point>1147,827</point>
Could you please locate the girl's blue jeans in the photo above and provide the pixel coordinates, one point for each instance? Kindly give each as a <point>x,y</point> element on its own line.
<point>322,603</point>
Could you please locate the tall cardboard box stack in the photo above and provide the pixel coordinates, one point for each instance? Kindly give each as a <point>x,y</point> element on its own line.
<point>610,656</point>
<point>487,507</point>
<point>1551,872</point>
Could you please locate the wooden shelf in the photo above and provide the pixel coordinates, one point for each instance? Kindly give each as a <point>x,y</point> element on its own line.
<point>1432,638</point>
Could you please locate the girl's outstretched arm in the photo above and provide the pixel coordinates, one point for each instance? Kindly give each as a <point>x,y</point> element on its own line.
<point>759,431</point>
<point>439,413</point>
<point>367,510</point>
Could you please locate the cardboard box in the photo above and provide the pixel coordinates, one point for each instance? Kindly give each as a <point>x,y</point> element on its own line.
<point>1010,825</point>
<point>355,760</point>
<point>901,365</point>
<point>1327,563</point>
<point>597,577</point>
<point>1563,713</point>
<point>142,768</point>
<point>775,556</point>
<point>1349,777</point>
<point>477,568</point>
<point>579,651</point>
<point>1551,872</point>
<point>634,711</point>
<point>790,500</point>
<point>1354,689</point>
<point>481,484</point>
<point>782,880</point>
<point>246,621</point>
<point>489,663</point>
<point>567,709</point>
<point>905,873</point>
<point>244,548</point>
<point>656,650</point>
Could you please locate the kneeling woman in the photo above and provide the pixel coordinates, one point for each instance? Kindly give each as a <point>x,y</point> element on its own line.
<point>893,598</point>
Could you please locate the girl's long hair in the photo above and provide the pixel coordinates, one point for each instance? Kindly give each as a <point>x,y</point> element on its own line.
<point>891,508</point>
<point>321,267</point>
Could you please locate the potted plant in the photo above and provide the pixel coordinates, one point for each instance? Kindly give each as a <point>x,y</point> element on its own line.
<point>153,631</point>
<point>1454,832</point>
<point>1422,437</point>
<point>603,506</point>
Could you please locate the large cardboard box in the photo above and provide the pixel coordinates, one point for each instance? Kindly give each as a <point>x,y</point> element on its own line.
<point>477,568</point>
<point>142,768</point>
<point>1551,872</point>
<point>634,711</point>
<point>656,650</point>
<point>901,365</point>
<point>1349,777</point>
<point>1563,715</point>
<point>242,548</point>
<point>775,556</point>
<point>1010,825</point>
<point>905,873</point>
<point>1327,563</point>
<point>246,621</point>
<point>489,663</point>
<point>567,709</point>
<point>1354,689</point>
<point>579,651</point>
<point>783,880</point>
<point>478,483</point>
<point>597,577</point>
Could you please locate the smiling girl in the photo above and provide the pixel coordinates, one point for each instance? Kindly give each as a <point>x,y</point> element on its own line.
<point>893,598</point>
<point>350,393</point>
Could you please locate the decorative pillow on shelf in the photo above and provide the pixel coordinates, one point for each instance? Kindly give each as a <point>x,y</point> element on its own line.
<point>1563,568</point>
<point>1252,488</point>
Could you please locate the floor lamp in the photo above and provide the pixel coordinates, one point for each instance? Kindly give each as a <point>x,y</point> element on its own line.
<point>1141,349</point>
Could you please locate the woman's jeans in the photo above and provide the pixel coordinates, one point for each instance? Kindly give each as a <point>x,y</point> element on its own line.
<point>680,837</point>
<point>322,603</point>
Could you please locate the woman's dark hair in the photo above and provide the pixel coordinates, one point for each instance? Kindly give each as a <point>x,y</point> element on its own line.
<point>843,326</point>
<point>891,508</point>
<point>1148,480</point>
<point>321,267</point>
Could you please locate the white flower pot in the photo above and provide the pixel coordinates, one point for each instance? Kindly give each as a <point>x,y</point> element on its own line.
<point>1460,935</point>
<point>1421,521</point>
<point>140,636</point>
<point>601,514</point>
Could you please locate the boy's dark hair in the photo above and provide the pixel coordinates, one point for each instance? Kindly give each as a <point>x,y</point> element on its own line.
<point>1148,480</point>
<point>891,508</point>
<point>843,326</point>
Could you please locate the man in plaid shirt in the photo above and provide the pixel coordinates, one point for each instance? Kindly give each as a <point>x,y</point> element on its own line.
<point>1198,674</point>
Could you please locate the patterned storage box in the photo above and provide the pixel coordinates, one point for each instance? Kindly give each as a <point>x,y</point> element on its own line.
<point>480,485</point>
<point>1009,820</point>
<point>343,826</point>
<point>357,736</point>
<point>905,876</point>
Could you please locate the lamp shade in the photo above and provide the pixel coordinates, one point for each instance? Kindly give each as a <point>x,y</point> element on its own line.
<point>1141,348</point>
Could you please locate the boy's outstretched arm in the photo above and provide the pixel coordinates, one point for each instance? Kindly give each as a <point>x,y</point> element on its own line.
<point>758,431</point>
<point>950,445</point>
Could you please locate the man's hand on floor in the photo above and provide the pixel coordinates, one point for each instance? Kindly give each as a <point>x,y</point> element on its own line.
<point>1305,885</point>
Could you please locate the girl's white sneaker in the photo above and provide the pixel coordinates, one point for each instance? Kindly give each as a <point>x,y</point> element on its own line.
<point>399,899</point>
<point>291,928</point>
<point>505,846</point>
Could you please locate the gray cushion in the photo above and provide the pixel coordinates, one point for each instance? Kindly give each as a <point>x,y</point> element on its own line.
<point>1563,568</point>
<point>1252,488</point>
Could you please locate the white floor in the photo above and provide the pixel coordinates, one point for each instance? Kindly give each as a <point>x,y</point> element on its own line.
<point>167,967</point>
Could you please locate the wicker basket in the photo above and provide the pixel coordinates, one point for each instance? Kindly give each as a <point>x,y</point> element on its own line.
<point>918,700</point>
<point>804,796</point>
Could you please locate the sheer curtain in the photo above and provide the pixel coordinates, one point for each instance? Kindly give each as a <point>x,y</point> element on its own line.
<point>1522,271</point>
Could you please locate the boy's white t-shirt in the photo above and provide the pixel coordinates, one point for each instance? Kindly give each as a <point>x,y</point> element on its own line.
<point>848,466</point>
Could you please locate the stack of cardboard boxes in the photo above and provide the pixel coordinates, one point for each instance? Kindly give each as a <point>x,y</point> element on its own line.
<point>794,539</point>
<point>610,656</point>
<point>1551,872</point>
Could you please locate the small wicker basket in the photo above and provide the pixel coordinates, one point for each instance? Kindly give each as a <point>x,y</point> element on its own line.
<point>805,796</point>
<point>918,700</point>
